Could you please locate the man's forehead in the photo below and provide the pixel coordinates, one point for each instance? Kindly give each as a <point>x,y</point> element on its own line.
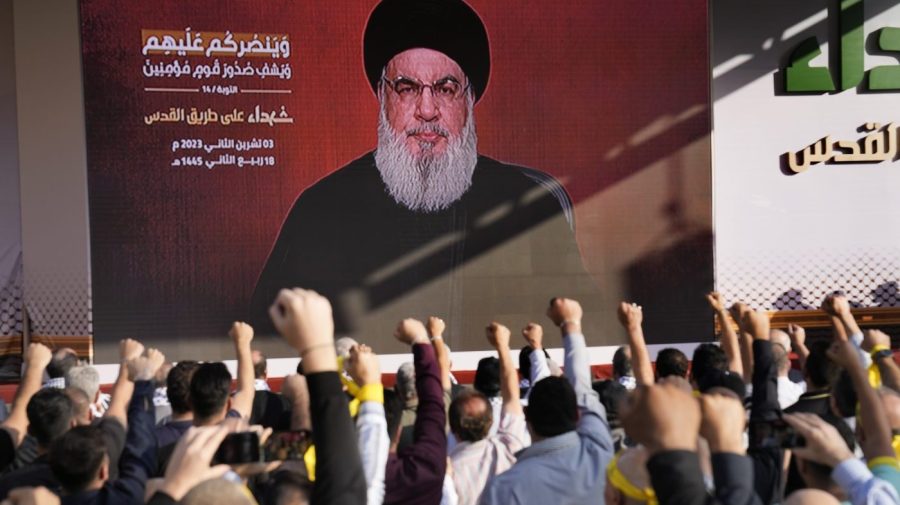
<point>424,64</point>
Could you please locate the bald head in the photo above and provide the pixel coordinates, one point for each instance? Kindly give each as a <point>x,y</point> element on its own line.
<point>811,497</point>
<point>781,338</point>
<point>81,405</point>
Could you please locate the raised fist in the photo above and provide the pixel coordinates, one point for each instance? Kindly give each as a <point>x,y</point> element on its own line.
<point>564,310</point>
<point>241,333</point>
<point>631,315</point>
<point>303,318</point>
<point>411,331</point>
<point>498,335</point>
<point>534,335</point>
<point>436,327</point>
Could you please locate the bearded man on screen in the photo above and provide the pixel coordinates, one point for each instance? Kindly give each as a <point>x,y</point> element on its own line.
<point>425,223</point>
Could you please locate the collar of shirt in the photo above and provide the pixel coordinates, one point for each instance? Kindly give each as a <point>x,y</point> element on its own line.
<point>549,445</point>
<point>57,382</point>
<point>261,385</point>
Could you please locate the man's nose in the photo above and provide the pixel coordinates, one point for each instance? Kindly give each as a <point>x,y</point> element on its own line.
<point>426,108</point>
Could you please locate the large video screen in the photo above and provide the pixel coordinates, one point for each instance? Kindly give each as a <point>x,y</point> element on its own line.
<point>404,158</point>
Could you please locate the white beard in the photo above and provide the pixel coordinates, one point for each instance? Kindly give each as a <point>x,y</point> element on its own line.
<point>426,182</point>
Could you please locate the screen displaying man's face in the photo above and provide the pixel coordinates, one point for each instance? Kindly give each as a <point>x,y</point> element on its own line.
<point>426,134</point>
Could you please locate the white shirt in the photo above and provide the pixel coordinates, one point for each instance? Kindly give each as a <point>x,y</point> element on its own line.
<point>476,463</point>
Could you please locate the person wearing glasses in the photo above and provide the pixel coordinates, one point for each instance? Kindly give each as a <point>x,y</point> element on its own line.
<point>424,221</point>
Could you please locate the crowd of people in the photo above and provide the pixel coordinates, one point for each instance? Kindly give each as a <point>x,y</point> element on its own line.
<point>736,424</point>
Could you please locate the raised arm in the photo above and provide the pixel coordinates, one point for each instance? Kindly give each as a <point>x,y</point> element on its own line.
<point>843,323</point>
<point>123,389</point>
<point>878,345</point>
<point>534,335</point>
<point>745,341</point>
<point>36,359</point>
<point>304,319</point>
<point>435,329</point>
<point>242,400</point>
<point>798,341</point>
<point>728,338</point>
<point>498,337</point>
<point>371,425</point>
<point>872,415</point>
<point>631,316</point>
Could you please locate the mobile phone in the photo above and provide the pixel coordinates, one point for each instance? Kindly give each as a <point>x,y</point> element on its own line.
<point>774,433</point>
<point>238,448</point>
<point>286,445</point>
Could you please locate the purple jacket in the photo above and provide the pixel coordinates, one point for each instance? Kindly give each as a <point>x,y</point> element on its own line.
<point>415,475</point>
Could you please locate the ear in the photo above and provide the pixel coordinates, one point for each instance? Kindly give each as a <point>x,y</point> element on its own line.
<point>103,473</point>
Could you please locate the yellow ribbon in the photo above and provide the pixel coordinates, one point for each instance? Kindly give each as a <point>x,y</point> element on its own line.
<point>621,482</point>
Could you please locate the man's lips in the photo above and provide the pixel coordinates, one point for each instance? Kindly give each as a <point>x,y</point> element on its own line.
<point>427,136</point>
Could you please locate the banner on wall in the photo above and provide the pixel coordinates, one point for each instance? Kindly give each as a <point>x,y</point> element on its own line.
<point>806,100</point>
<point>404,158</point>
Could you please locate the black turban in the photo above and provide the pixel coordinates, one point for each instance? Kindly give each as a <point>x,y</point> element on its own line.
<point>448,26</point>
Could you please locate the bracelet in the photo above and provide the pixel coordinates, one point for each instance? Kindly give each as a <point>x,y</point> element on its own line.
<point>317,346</point>
<point>878,350</point>
<point>883,460</point>
<point>569,321</point>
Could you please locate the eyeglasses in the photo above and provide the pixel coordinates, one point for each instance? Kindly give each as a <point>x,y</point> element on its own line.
<point>443,91</point>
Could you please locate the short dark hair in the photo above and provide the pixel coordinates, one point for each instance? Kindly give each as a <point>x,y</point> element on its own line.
<point>552,409</point>
<point>621,362</point>
<point>210,386</point>
<point>707,357</point>
<point>465,425</point>
<point>178,386</point>
<point>259,368</point>
<point>50,412</point>
<point>75,458</point>
<point>60,363</point>
<point>727,379</point>
<point>671,361</point>
<point>819,369</point>
<point>487,376</point>
<point>393,411</point>
<point>612,394</point>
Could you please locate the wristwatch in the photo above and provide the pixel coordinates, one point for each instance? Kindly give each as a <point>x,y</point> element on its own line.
<point>884,353</point>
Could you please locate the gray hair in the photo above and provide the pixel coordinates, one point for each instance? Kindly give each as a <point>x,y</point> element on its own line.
<point>342,346</point>
<point>85,378</point>
<point>406,382</point>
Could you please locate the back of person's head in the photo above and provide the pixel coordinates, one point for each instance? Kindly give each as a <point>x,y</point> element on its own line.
<point>487,376</point>
<point>178,386</point>
<point>405,384</point>
<point>819,370</point>
<point>781,338</point>
<point>612,393</point>
<point>671,361</point>
<point>77,456</point>
<point>723,382</point>
<point>210,386</point>
<point>286,487</point>
<point>471,416</point>
<point>81,405</point>
<point>260,364</point>
<point>50,415</point>
<point>811,497</point>
<point>781,359</point>
<point>552,408</point>
<point>85,378</point>
<point>707,357</point>
<point>817,475</point>
<point>216,492</point>
<point>62,360</point>
<point>621,363</point>
<point>343,345</point>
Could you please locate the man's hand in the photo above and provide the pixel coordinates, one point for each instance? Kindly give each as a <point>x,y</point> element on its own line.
<point>756,324</point>
<point>411,331</point>
<point>143,368</point>
<point>303,318</point>
<point>737,311</point>
<point>189,464</point>
<point>534,335</point>
<point>130,349</point>
<point>363,365</point>
<point>566,314</point>
<point>37,356</point>
<point>631,315</point>
<point>716,302</point>
<point>842,353</point>
<point>797,335</point>
<point>871,338</point>
<point>436,327</point>
<point>498,335</point>
<point>823,442</point>
<point>241,333</point>
<point>836,305</point>
<point>662,417</point>
<point>722,424</point>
